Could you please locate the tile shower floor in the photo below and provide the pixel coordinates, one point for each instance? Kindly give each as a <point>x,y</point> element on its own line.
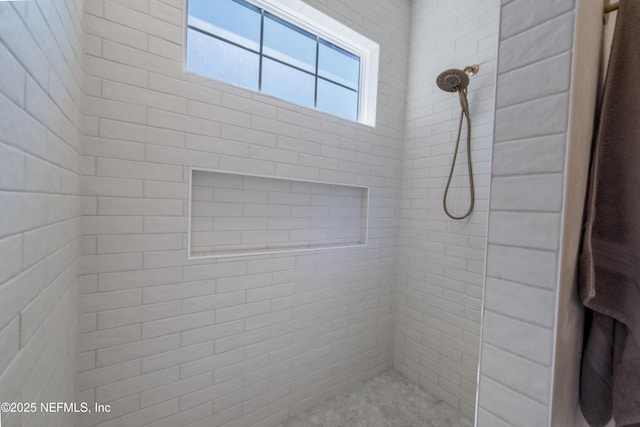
<point>387,400</point>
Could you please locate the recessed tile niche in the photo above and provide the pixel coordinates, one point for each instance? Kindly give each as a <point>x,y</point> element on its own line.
<point>240,214</point>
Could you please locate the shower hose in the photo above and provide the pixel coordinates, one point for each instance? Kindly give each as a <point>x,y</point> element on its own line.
<point>462,93</point>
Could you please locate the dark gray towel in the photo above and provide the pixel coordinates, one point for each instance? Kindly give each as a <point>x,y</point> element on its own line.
<point>609,273</point>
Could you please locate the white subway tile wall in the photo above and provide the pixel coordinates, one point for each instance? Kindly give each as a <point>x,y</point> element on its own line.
<point>536,50</point>
<point>243,340</point>
<point>232,214</point>
<point>40,138</point>
<point>97,88</point>
<point>441,261</point>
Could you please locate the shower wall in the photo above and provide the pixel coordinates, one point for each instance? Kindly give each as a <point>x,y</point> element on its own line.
<point>531,322</point>
<point>236,341</point>
<point>40,137</point>
<point>441,261</point>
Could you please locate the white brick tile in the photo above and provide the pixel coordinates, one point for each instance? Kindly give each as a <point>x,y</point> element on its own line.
<point>176,357</point>
<point>176,389</point>
<point>86,361</point>
<point>158,189</point>
<point>129,169</point>
<point>229,284</point>
<point>110,263</point>
<point>506,333</point>
<point>187,417</point>
<point>209,302</point>
<point>527,193</point>
<point>180,291</point>
<point>145,313</point>
<point>109,374</point>
<point>546,116</point>
<point>132,206</point>
<point>210,271</point>
<point>487,419</point>
<point>230,371</point>
<point>512,407</point>
<point>146,415</point>
<point>245,310</point>
<point>140,96</point>
<point>113,31</point>
<point>23,46</point>
<point>523,302</point>
<point>548,77</point>
<point>519,16</point>
<point>176,324</point>
<point>120,407</point>
<point>108,338</point>
<point>235,398</point>
<point>184,123</point>
<point>10,342</point>
<point>34,314</point>
<point>529,266</point>
<point>101,186</point>
<point>160,259</point>
<point>144,22</point>
<point>208,111</point>
<point>140,242</point>
<point>212,332</point>
<point>533,230</point>
<point>115,110</point>
<point>21,130</point>
<point>137,349</point>
<point>12,168</point>
<point>191,400</point>
<point>12,86</point>
<point>41,176</point>
<point>110,300</point>
<point>518,374</point>
<point>135,384</point>
<point>536,155</point>
<point>240,164</point>
<point>139,133</point>
<point>10,257</point>
<point>110,148</point>
<point>182,88</point>
<point>165,48</point>
<point>112,225</point>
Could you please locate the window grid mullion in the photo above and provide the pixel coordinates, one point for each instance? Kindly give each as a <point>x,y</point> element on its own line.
<point>262,55</point>
<point>231,42</point>
<point>261,49</point>
<point>315,94</point>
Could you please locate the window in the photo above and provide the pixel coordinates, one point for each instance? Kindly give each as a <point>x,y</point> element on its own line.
<point>282,53</point>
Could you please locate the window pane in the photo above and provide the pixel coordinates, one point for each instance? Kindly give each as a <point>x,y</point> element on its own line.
<point>231,20</point>
<point>337,100</point>
<point>287,83</point>
<point>289,44</point>
<point>338,65</point>
<point>214,58</point>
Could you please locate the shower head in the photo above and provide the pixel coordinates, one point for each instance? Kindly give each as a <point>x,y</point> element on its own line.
<point>454,80</point>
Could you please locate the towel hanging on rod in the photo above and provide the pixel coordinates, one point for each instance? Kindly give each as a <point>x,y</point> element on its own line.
<point>611,7</point>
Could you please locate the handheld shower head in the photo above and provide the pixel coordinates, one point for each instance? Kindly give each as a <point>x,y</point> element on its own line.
<point>453,80</point>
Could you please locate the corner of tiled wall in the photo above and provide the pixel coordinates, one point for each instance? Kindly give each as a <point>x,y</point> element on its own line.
<point>525,218</point>
<point>441,261</point>
<point>233,341</point>
<point>40,139</point>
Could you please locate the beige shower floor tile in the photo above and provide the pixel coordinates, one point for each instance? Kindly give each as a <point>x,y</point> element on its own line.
<point>387,400</point>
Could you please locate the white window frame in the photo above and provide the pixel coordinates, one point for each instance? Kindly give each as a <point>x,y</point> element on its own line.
<point>306,17</point>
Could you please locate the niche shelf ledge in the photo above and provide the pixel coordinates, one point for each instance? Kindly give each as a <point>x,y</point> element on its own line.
<point>235,214</point>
